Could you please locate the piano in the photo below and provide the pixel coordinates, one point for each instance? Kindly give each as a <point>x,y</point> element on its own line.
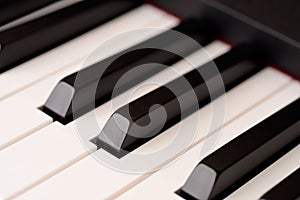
<point>128,99</point>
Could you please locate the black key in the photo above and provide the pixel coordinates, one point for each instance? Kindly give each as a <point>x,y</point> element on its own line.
<point>61,107</point>
<point>288,189</point>
<point>141,118</point>
<point>30,39</point>
<point>11,10</point>
<point>228,168</point>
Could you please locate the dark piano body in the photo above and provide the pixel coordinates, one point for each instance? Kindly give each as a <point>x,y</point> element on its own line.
<point>274,25</point>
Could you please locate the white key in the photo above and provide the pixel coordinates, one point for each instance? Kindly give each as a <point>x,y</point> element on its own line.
<point>88,179</point>
<point>165,182</point>
<point>76,50</point>
<point>21,108</point>
<point>56,146</point>
<point>49,150</point>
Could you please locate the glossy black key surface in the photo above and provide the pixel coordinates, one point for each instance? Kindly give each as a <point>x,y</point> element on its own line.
<point>30,39</point>
<point>140,118</point>
<point>65,108</point>
<point>12,10</point>
<point>288,189</point>
<point>229,167</point>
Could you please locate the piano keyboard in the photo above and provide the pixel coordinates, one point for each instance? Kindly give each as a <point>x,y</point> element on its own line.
<point>46,152</point>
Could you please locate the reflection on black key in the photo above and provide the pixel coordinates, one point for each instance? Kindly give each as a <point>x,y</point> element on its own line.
<point>25,41</point>
<point>288,189</point>
<point>228,168</point>
<point>11,10</point>
<point>139,121</point>
<point>62,103</point>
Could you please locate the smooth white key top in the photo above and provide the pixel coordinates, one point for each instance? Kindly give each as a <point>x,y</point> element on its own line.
<point>48,150</point>
<point>56,146</point>
<point>89,179</point>
<point>75,50</point>
<point>164,183</point>
<point>21,108</point>
<point>20,126</point>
